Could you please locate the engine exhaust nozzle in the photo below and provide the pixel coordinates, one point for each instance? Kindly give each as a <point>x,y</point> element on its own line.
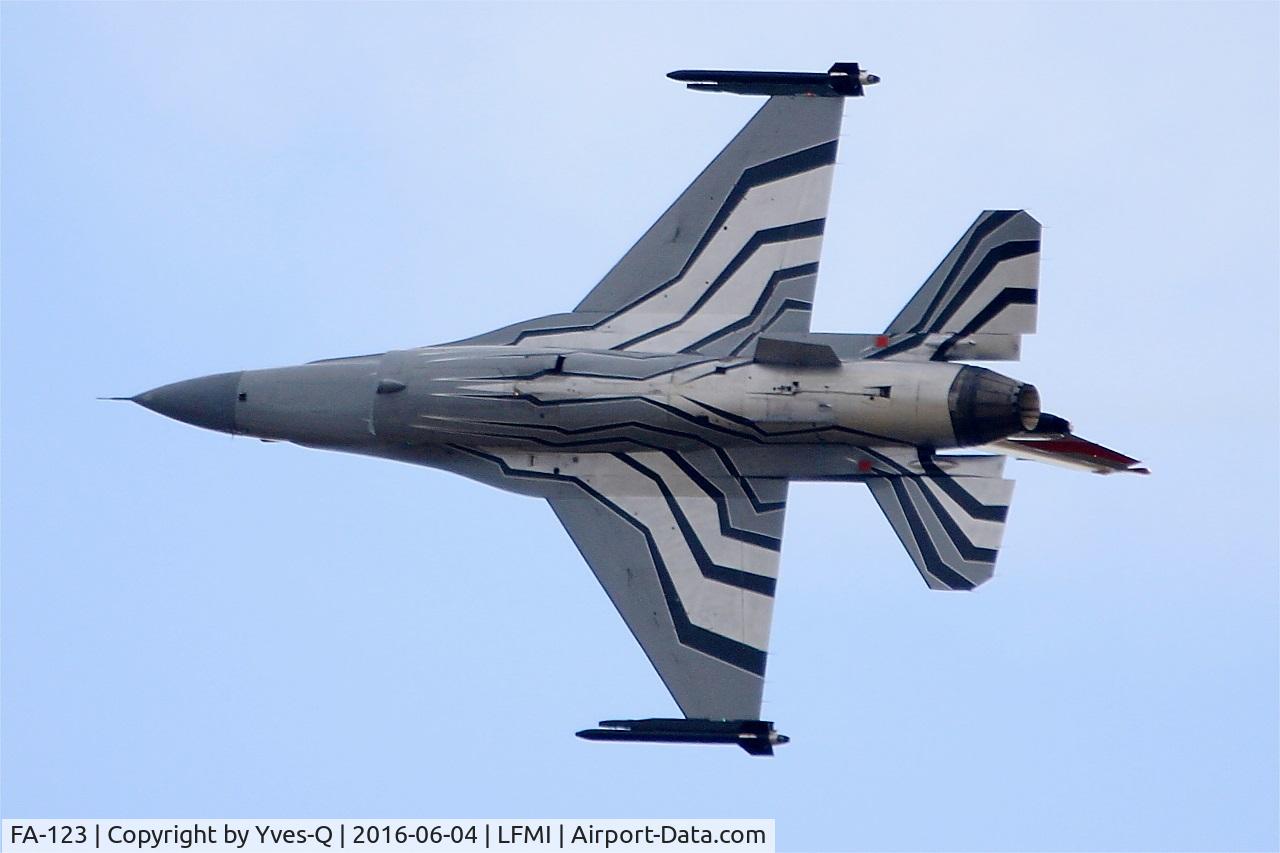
<point>986,406</point>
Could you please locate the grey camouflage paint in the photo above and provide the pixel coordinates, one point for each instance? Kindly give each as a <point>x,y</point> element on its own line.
<point>663,441</point>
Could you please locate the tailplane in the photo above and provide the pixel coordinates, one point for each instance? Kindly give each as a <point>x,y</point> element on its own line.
<point>951,523</point>
<point>979,301</point>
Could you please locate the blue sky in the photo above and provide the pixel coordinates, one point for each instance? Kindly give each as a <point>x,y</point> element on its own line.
<point>201,625</point>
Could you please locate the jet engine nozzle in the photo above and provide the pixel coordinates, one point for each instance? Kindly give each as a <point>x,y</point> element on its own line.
<point>986,406</point>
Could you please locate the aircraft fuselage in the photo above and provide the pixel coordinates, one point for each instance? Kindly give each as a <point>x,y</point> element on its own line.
<point>405,403</point>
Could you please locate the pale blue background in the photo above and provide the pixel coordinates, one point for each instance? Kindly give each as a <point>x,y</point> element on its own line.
<point>195,625</point>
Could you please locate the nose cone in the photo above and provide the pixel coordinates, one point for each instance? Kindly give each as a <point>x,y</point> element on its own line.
<point>208,402</point>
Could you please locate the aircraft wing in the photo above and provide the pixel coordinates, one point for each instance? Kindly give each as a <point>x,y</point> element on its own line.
<point>736,254</point>
<point>685,548</point>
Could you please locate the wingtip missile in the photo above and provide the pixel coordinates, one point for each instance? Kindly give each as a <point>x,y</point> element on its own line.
<point>757,737</point>
<point>841,80</point>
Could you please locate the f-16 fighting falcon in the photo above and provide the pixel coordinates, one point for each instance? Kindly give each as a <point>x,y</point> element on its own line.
<point>665,416</point>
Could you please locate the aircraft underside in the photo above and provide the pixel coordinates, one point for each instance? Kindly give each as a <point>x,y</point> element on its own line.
<point>664,417</point>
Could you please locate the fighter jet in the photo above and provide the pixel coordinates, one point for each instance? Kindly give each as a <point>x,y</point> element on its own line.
<point>665,416</point>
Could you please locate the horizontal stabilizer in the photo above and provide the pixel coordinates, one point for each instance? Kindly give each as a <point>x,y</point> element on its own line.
<point>979,300</point>
<point>842,80</point>
<point>951,526</point>
<point>755,736</point>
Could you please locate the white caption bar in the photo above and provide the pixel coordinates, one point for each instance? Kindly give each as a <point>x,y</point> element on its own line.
<point>379,836</point>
